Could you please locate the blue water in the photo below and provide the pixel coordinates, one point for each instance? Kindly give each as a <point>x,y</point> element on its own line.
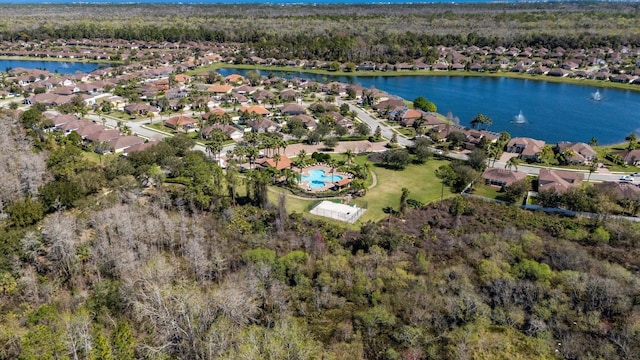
<point>279,2</point>
<point>553,111</point>
<point>60,67</point>
<point>317,178</point>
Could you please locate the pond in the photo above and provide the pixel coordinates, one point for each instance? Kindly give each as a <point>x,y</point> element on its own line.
<point>60,67</point>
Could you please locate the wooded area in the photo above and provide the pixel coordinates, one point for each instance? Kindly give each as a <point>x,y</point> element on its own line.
<point>381,32</point>
<point>100,263</point>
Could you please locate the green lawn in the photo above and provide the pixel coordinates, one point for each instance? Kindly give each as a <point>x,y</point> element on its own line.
<point>421,181</point>
<point>408,132</point>
<point>481,189</point>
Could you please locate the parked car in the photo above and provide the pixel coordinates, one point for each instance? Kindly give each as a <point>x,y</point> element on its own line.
<point>635,174</point>
<point>626,178</point>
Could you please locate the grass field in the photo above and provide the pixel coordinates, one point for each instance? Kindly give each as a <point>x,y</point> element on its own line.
<point>481,189</point>
<point>421,181</point>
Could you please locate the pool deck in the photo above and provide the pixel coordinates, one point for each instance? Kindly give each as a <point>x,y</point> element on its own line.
<point>327,170</point>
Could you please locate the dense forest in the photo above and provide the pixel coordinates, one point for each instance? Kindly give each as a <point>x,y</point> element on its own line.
<point>383,33</point>
<point>106,259</point>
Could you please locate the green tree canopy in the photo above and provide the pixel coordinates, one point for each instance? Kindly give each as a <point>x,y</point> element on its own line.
<point>423,104</point>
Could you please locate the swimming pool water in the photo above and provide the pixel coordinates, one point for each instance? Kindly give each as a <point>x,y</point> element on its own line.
<point>318,178</point>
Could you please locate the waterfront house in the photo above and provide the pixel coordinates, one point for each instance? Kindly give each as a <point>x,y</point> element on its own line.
<point>576,153</point>
<point>631,157</point>
<point>408,117</point>
<point>527,148</point>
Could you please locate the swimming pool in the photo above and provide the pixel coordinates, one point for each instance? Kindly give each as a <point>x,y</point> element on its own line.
<point>318,178</point>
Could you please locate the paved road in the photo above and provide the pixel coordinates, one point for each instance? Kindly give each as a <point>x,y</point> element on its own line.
<point>137,128</point>
<point>535,170</point>
<point>373,123</point>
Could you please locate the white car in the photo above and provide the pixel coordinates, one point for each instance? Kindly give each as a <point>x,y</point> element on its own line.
<point>626,178</point>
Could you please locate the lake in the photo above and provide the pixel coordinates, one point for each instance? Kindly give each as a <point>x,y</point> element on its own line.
<point>551,111</point>
<point>279,2</point>
<point>62,67</point>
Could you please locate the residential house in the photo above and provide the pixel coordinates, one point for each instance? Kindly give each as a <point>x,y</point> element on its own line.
<point>473,138</point>
<point>263,125</point>
<point>258,110</point>
<point>140,109</point>
<point>559,180</point>
<point>233,132</point>
<point>90,129</point>
<point>631,157</point>
<point>214,113</point>
<point>408,117</point>
<point>59,120</point>
<point>236,79</point>
<point>103,136</point>
<point>139,147</point>
<point>292,109</point>
<point>74,125</point>
<point>219,90</point>
<point>384,107</point>
<point>502,177</point>
<point>308,121</point>
<point>619,190</point>
<point>528,148</point>
<point>121,143</point>
<point>289,95</point>
<point>576,152</point>
<point>181,122</point>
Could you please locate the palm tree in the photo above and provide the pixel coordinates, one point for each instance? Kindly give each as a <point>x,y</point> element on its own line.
<point>632,139</point>
<point>333,165</point>
<point>350,155</point>
<point>252,154</point>
<point>214,148</point>
<point>290,177</point>
<point>276,159</point>
<point>481,119</point>
<point>302,154</point>
<point>512,163</point>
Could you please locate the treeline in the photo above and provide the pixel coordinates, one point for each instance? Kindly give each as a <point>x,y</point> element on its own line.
<point>384,33</point>
<point>332,46</point>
